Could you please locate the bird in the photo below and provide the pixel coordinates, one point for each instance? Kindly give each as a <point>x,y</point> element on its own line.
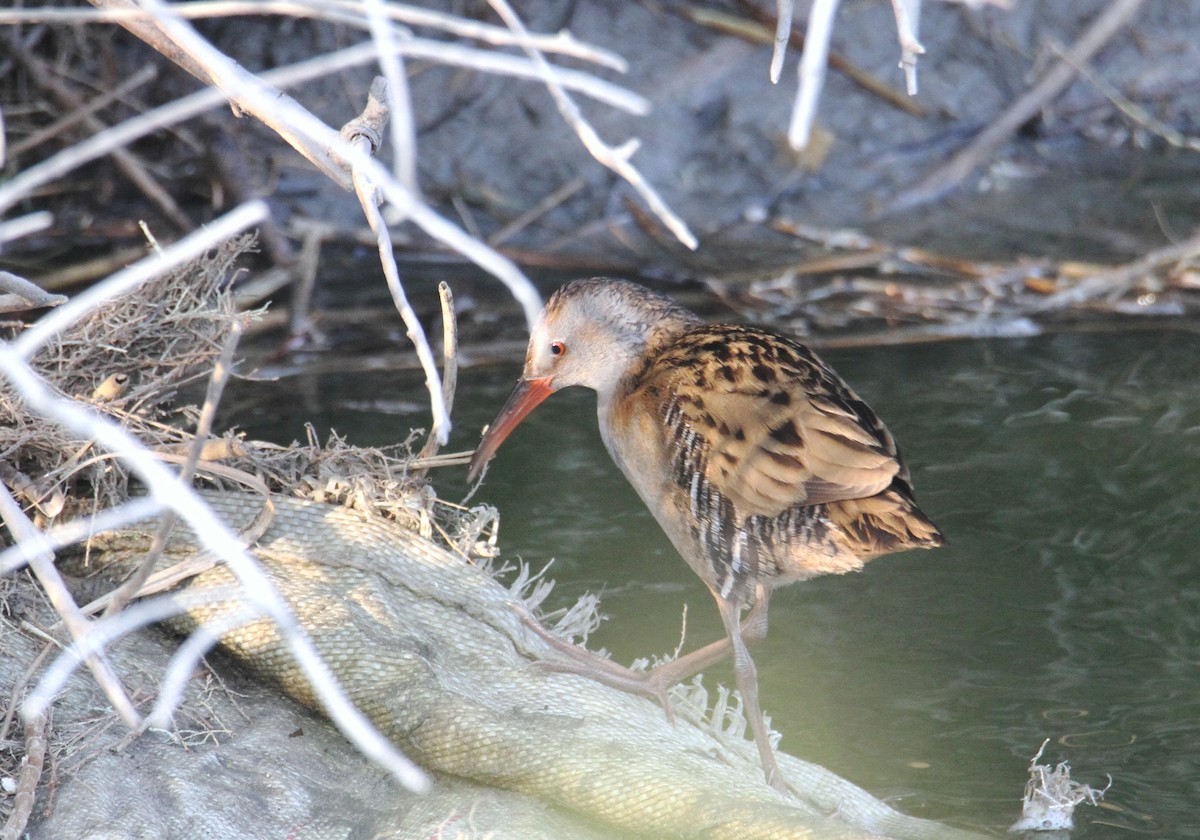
<point>761,465</point>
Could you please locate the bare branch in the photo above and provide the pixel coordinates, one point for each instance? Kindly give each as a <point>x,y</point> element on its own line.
<point>783,33</point>
<point>811,71</point>
<point>23,225</point>
<point>948,176</point>
<point>41,561</point>
<point>338,11</point>
<point>21,295</point>
<point>908,17</point>
<point>27,778</point>
<point>449,370</point>
<point>365,133</point>
<point>616,159</point>
<point>399,101</point>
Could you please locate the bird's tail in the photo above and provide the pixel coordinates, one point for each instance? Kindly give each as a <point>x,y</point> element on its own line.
<point>886,522</point>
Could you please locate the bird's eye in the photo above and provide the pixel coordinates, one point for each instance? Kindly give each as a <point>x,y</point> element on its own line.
<point>557,348</point>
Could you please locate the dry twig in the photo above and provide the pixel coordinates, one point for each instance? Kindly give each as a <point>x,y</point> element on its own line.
<point>811,71</point>
<point>348,12</point>
<point>615,158</point>
<point>756,30</point>
<point>19,295</point>
<point>129,163</point>
<point>952,173</point>
<point>783,32</point>
<point>399,101</point>
<point>1136,113</point>
<point>365,132</point>
<point>41,560</point>
<point>23,225</point>
<point>27,779</point>
<point>449,374</point>
<point>816,55</point>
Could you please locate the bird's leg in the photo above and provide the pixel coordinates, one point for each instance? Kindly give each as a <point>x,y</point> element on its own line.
<point>752,630</point>
<point>658,680</point>
<point>747,683</point>
<point>588,664</point>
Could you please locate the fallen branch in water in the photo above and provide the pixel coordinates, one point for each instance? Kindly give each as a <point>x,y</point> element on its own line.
<point>859,290</point>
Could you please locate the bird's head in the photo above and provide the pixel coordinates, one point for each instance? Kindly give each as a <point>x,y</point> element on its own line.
<point>591,333</point>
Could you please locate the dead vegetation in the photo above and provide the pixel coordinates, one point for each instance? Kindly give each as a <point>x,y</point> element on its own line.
<point>74,76</point>
<point>91,402</point>
<point>855,290</point>
<point>139,362</point>
<point>130,364</point>
<point>374,481</point>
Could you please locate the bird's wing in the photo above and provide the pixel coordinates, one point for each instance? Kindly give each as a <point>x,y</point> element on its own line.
<point>769,424</point>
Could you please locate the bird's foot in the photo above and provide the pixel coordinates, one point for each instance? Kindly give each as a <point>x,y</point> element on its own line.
<point>775,779</point>
<point>586,663</point>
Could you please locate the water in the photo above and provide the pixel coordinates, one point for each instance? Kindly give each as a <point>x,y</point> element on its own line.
<point>1067,606</point>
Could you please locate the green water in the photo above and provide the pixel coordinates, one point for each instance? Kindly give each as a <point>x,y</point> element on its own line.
<point>1065,472</point>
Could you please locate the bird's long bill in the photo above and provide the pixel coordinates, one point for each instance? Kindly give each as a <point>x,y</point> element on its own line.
<point>528,394</point>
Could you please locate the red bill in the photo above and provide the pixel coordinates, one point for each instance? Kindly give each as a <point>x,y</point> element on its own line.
<point>528,394</point>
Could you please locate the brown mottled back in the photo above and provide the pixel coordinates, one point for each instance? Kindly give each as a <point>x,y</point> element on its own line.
<point>782,471</point>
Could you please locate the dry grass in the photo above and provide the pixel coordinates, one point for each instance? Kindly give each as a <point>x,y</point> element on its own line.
<point>129,359</point>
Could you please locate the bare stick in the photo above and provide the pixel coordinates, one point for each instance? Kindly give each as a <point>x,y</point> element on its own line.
<point>756,30</point>
<point>783,33</point>
<point>908,16</point>
<point>366,132</point>
<point>399,101</point>
<point>449,345</point>
<point>23,225</point>
<point>449,370</point>
<point>21,295</point>
<point>511,65</point>
<point>615,158</point>
<point>811,71</point>
<point>338,11</point>
<point>555,198</point>
<point>27,778</point>
<point>41,561</point>
<point>951,174</point>
<point>37,138</point>
<point>1128,107</point>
